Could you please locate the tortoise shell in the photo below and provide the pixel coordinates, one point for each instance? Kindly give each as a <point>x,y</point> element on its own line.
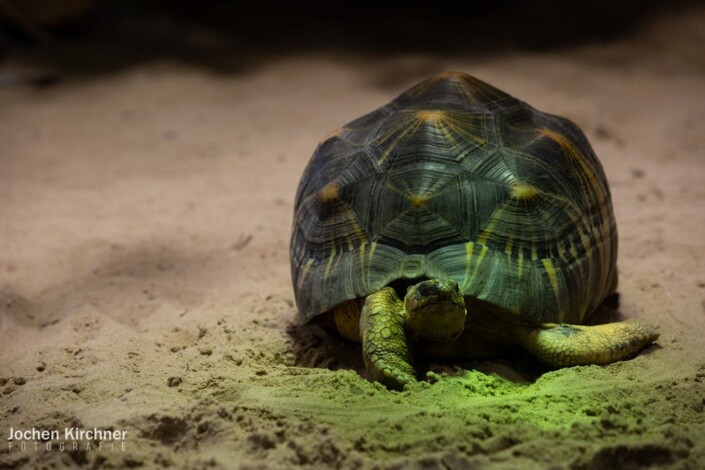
<point>457,179</point>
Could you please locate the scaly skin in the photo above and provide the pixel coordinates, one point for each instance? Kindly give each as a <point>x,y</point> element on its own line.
<point>432,309</point>
<point>573,345</point>
<point>384,345</point>
<point>435,310</point>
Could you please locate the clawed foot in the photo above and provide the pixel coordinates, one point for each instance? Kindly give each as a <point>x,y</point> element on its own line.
<point>392,373</point>
<point>384,344</point>
<point>571,345</point>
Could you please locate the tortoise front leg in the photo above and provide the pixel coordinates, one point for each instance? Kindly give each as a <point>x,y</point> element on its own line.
<point>384,342</point>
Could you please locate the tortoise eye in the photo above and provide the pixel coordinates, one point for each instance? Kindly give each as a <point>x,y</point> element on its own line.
<point>428,288</point>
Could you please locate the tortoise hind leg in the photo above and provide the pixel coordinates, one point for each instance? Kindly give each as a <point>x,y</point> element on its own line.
<point>384,343</point>
<point>572,345</point>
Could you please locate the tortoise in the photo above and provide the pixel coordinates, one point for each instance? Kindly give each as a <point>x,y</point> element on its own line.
<point>454,221</point>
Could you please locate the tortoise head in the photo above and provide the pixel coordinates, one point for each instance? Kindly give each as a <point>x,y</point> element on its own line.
<point>435,310</point>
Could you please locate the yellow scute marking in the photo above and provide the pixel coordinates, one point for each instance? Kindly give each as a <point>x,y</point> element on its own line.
<point>304,272</point>
<point>508,246</point>
<point>523,191</point>
<point>482,238</point>
<point>483,252</point>
<point>418,201</point>
<point>430,115</point>
<point>469,251</point>
<point>362,262</point>
<point>468,258</point>
<point>551,272</point>
<point>330,262</point>
<point>373,245</point>
<point>520,264</point>
<point>329,192</point>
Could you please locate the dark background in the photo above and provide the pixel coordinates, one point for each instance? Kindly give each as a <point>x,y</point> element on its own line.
<point>99,36</point>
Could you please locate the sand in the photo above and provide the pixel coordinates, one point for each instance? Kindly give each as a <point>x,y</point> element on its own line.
<point>145,218</point>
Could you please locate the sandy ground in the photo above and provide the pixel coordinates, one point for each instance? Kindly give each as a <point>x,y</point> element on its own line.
<point>144,274</point>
